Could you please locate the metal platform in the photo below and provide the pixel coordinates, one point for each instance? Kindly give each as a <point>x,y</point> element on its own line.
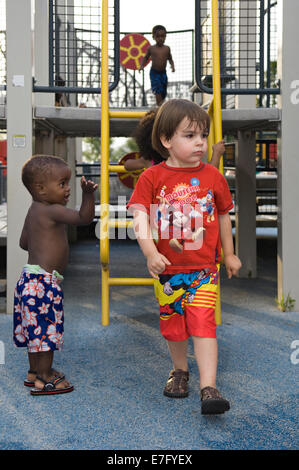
<point>86,122</point>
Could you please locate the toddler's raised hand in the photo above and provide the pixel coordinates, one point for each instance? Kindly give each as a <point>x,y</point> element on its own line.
<point>219,148</point>
<point>88,186</point>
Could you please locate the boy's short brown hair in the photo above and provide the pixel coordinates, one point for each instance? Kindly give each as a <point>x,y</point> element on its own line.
<point>170,115</point>
<point>38,168</point>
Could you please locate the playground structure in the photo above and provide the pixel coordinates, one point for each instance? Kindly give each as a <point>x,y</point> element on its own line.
<point>32,120</point>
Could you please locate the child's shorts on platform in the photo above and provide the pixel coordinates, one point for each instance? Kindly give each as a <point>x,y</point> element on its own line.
<point>159,82</point>
<point>38,312</point>
<point>187,304</point>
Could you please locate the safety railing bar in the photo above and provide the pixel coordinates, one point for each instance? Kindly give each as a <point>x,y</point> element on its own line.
<point>262,25</point>
<point>117,223</point>
<point>117,169</point>
<point>239,91</point>
<point>104,185</point>
<point>111,169</point>
<point>114,114</point>
<point>92,175</point>
<point>150,32</point>
<point>134,281</point>
<point>64,89</point>
<point>116,46</point>
<point>215,111</point>
<point>250,91</point>
<point>126,114</point>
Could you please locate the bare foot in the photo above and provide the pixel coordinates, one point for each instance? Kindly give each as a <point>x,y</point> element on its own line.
<point>31,376</point>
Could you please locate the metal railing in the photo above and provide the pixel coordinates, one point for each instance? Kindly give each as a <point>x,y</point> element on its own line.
<point>75,58</point>
<point>67,53</point>
<point>134,89</point>
<point>246,65</point>
<point>215,134</point>
<point>248,54</point>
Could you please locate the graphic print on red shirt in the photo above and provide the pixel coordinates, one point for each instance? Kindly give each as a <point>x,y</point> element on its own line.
<point>183,205</point>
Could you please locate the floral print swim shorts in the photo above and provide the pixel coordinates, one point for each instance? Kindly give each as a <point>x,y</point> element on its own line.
<point>38,312</point>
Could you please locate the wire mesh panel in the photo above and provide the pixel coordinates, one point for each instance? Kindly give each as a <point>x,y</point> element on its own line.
<point>271,42</point>
<point>87,50</point>
<point>75,45</point>
<point>134,87</point>
<point>248,46</point>
<point>75,54</point>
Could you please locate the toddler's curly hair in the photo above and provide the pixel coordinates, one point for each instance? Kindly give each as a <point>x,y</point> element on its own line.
<point>38,168</point>
<point>143,137</point>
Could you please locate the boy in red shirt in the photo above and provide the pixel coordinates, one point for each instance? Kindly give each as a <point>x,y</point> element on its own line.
<point>187,204</point>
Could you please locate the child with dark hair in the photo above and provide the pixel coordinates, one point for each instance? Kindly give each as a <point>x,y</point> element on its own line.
<point>143,138</point>
<point>38,301</point>
<point>160,54</point>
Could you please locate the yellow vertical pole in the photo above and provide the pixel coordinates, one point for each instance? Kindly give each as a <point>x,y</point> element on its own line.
<point>211,138</point>
<point>216,109</point>
<point>216,76</point>
<point>104,235</point>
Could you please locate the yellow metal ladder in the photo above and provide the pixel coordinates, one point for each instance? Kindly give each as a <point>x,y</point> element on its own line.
<point>215,134</point>
<point>105,222</point>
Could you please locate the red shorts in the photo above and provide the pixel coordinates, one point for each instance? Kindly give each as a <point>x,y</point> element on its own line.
<point>187,304</point>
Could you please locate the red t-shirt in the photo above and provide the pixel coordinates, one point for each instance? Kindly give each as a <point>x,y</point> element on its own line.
<point>183,205</point>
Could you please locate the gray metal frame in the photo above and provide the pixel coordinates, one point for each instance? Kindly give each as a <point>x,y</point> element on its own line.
<point>52,88</point>
<point>262,90</point>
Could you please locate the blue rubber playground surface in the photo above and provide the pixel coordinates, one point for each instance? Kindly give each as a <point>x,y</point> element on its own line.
<point>119,371</point>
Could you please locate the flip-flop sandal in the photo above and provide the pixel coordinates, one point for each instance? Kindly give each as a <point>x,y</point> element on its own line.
<point>50,387</point>
<point>30,383</point>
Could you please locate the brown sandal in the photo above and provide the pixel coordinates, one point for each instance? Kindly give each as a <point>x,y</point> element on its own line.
<point>177,384</point>
<point>212,402</point>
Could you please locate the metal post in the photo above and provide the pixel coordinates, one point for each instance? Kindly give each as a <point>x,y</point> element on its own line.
<point>287,155</point>
<point>217,123</point>
<point>246,203</point>
<point>19,131</point>
<point>104,238</point>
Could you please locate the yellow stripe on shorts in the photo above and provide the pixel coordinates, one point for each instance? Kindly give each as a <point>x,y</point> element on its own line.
<point>205,296</point>
<point>164,299</point>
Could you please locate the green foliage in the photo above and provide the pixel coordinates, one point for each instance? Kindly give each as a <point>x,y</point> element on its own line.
<point>285,304</point>
<point>92,149</point>
<point>273,84</point>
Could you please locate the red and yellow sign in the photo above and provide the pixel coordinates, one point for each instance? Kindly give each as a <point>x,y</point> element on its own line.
<point>129,178</point>
<point>133,48</point>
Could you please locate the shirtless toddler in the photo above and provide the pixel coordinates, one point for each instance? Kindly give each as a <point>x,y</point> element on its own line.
<point>159,54</point>
<point>38,303</point>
